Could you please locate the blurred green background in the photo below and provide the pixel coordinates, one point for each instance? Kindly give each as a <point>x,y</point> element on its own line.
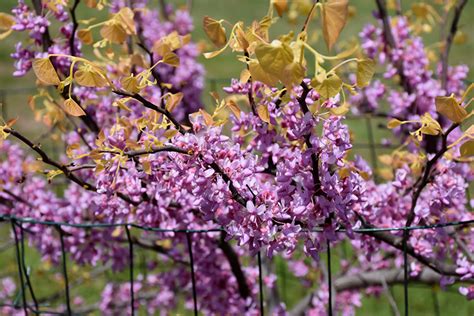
<point>423,300</point>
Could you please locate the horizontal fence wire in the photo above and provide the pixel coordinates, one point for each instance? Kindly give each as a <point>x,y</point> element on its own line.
<point>221,229</point>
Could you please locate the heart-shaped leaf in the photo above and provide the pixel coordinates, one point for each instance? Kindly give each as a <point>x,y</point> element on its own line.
<point>334,17</point>
<point>45,71</point>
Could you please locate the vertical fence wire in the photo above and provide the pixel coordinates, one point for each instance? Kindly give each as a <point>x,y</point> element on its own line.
<point>405,269</point>
<point>3,104</point>
<point>130,252</point>
<point>260,283</point>
<point>25,270</point>
<point>66,279</point>
<point>193,277</point>
<point>436,308</point>
<point>330,298</point>
<point>20,270</point>
<point>373,152</point>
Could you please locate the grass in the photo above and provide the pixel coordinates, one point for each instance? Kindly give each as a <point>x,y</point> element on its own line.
<point>226,66</point>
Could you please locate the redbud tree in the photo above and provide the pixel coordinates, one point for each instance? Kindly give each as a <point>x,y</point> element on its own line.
<point>270,161</point>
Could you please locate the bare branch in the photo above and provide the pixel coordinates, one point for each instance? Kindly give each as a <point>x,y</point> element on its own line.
<point>235,266</point>
<point>449,41</point>
<point>75,25</point>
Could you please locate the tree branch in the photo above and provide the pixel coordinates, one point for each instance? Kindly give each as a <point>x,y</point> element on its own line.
<point>153,107</point>
<point>75,25</point>
<point>314,157</point>
<point>449,41</point>
<point>235,266</point>
<point>424,179</point>
<point>390,39</point>
<point>68,173</point>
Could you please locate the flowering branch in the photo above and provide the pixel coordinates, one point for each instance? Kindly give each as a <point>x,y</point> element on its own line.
<point>424,179</point>
<point>314,157</point>
<point>68,173</point>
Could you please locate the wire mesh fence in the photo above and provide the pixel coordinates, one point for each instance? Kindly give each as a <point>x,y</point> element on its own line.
<point>27,298</point>
<point>32,306</point>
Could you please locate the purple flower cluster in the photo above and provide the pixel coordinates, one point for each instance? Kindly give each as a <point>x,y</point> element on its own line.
<point>421,86</point>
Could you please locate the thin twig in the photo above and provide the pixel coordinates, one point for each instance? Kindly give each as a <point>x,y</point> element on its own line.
<point>449,41</point>
<point>68,173</point>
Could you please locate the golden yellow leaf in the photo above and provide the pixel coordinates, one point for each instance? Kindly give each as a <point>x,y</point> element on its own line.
<point>234,108</point>
<point>281,6</point>
<point>386,159</point>
<point>169,133</point>
<point>213,54</point>
<point>460,38</point>
<point>245,75</point>
<point>421,10</point>
<point>365,72</point>
<point>467,149</point>
<point>138,60</point>
<point>146,166</point>
<point>53,173</point>
<point>450,108</point>
<point>215,31</point>
<point>292,75</point>
<point>116,232</point>
<point>170,42</point>
<point>334,17</point>
<point>88,77</point>
<point>263,113</point>
<point>258,74</point>
<point>274,57</point>
<point>171,59</point>
<point>72,108</point>
<point>161,48</point>
<point>6,21</point>
<point>113,32</point>
<point>5,34</point>
<point>207,117</point>
<point>45,71</point>
<point>328,87</point>
<point>173,100</point>
<point>125,18</point>
<point>91,3</point>
<point>85,36</point>
<point>429,125</point>
<point>340,110</point>
<point>130,84</point>
<point>71,148</point>
<point>394,123</point>
<point>241,38</point>
<point>122,104</point>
